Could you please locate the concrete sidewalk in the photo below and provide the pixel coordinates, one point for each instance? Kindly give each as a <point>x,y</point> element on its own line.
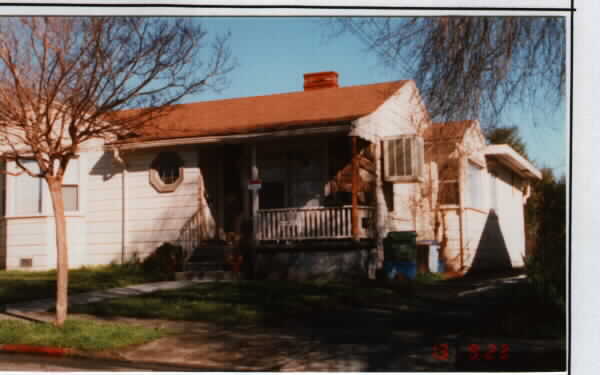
<point>43,305</point>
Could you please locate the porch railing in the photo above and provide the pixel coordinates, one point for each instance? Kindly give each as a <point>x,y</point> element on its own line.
<point>285,224</point>
<point>189,236</point>
<point>309,223</point>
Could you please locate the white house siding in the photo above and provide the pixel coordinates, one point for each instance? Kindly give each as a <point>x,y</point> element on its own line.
<point>2,221</point>
<point>402,113</point>
<point>104,209</point>
<point>450,237</point>
<point>2,243</point>
<point>27,238</point>
<point>154,218</point>
<point>510,212</point>
<point>76,236</point>
<point>475,221</point>
<point>402,216</point>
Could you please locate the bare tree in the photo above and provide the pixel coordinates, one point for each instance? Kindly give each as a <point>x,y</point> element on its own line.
<point>470,67</point>
<point>65,81</point>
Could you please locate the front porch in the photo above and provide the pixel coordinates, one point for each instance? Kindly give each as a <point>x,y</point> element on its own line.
<point>312,188</point>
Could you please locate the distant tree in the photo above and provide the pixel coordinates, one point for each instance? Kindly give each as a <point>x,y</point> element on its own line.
<point>547,210</point>
<point>62,80</point>
<point>508,135</point>
<point>469,67</point>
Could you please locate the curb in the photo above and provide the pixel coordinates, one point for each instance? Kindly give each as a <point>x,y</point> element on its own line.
<point>33,349</point>
<point>74,353</point>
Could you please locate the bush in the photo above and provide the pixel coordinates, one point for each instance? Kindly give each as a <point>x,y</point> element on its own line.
<point>164,261</point>
<point>546,267</point>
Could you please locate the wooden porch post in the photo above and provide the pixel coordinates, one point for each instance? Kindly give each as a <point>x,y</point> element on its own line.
<point>354,216</point>
<point>244,179</point>
<point>254,196</point>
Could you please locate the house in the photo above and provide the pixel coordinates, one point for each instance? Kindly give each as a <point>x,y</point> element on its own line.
<point>311,181</point>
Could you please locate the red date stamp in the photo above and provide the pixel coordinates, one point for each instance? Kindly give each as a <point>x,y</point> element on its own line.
<point>491,352</point>
<point>440,352</point>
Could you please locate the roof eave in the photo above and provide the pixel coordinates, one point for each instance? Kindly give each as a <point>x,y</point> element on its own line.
<point>509,157</point>
<point>231,138</point>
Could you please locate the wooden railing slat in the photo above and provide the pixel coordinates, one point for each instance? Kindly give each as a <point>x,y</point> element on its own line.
<point>309,223</point>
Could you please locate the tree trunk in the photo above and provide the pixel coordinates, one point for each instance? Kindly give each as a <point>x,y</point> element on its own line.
<point>380,207</point>
<point>62,264</point>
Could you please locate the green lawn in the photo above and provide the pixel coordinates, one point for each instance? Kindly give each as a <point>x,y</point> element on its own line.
<point>16,286</point>
<point>243,302</point>
<point>87,335</point>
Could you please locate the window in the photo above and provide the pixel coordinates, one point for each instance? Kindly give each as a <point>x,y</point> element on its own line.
<point>166,172</point>
<point>2,189</point>
<point>403,158</point>
<point>448,183</point>
<point>28,190</point>
<point>70,188</point>
<point>475,181</point>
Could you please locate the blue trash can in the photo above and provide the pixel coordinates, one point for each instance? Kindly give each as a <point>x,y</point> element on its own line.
<point>392,269</point>
<point>400,254</point>
<point>441,266</point>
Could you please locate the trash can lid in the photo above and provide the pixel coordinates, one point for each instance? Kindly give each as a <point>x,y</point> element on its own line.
<point>407,235</point>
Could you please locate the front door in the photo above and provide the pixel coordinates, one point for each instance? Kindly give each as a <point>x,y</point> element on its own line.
<point>306,178</point>
<point>292,175</point>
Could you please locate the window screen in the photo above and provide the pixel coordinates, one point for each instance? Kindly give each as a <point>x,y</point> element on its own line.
<point>2,189</point>
<point>403,157</point>
<point>70,186</point>
<point>28,191</point>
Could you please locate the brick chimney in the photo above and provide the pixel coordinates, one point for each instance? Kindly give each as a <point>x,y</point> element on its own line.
<point>320,80</point>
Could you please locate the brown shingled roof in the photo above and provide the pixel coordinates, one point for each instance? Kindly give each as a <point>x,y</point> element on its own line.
<point>270,112</point>
<point>447,130</point>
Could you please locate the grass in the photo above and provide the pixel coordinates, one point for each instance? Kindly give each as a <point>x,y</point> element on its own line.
<point>86,335</point>
<point>244,302</point>
<point>520,313</point>
<point>428,278</point>
<point>17,286</point>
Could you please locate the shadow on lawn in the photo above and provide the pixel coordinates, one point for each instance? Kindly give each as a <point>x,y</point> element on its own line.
<point>20,286</point>
<point>317,327</point>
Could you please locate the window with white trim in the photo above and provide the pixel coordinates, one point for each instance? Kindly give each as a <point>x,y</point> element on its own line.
<point>166,172</point>
<point>449,193</point>
<point>2,188</point>
<point>70,187</point>
<point>403,158</point>
<point>28,190</point>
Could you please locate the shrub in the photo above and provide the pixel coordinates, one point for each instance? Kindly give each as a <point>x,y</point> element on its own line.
<point>164,261</point>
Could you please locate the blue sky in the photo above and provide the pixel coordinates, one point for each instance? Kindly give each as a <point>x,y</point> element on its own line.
<point>273,54</point>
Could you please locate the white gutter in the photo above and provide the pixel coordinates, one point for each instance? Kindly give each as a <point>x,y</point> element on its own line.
<point>229,138</point>
<point>508,156</point>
